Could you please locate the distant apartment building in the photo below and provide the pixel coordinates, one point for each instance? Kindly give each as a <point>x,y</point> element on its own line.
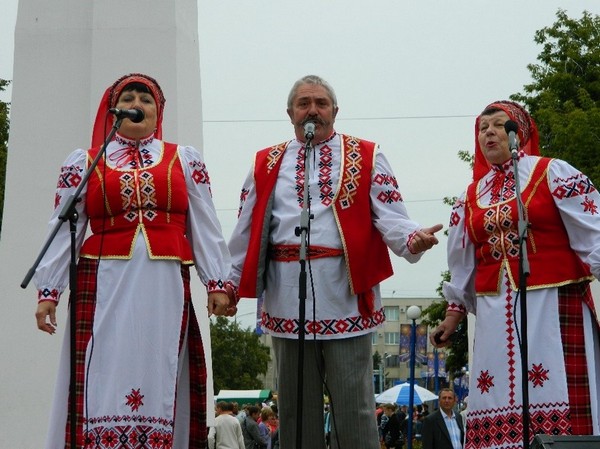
<point>392,343</point>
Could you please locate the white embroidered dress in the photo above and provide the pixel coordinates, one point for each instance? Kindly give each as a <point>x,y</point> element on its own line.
<point>138,315</point>
<point>495,396</point>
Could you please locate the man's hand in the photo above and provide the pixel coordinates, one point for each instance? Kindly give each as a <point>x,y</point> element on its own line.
<point>218,303</point>
<point>424,239</point>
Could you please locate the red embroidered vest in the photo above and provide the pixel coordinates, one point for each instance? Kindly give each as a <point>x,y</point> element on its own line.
<point>367,258</point>
<point>493,229</point>
<point>152,200</point>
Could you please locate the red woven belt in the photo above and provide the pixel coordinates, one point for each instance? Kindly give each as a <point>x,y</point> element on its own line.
<point>291,253</point>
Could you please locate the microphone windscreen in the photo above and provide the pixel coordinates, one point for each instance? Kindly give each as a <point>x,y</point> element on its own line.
<point>139,116</point>
<point>511,126</point>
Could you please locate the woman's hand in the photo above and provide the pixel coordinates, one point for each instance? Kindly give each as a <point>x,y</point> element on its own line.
<point>45,316</point>
<point>440,337</point>
<point>218,304</point>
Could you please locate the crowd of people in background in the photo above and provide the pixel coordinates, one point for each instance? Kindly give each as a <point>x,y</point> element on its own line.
<point>256,426</point>
<point>253,426</point>
<point>393,421</point>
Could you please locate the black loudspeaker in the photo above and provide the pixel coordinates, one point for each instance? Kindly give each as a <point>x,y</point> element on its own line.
<point>566,442</point>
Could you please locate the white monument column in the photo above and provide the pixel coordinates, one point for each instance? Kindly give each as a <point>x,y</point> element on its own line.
<point>66,53</point>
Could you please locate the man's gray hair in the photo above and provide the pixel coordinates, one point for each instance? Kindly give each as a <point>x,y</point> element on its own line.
<point>312,79</point>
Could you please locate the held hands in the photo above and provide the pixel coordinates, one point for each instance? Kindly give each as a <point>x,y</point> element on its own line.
<point>45,316</point>
<point>424,239</point>
<point>220,303</point>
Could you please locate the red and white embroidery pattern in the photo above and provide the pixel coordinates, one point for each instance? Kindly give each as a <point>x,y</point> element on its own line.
<point>504,427</point>
<point>199,172</point>
<point>453,307</point>
<point>70,176</point>
<point>48,295</point>
<point>325,181</point>
<point>130,186</point>
<point>351,175</point>
<point>274,155</point>
<point>510,340</point>
<point>128,196</point>
<point>498,223</point>
<point>323,327</point>
<point>243,197</point>
<point>148,195</point>
<point>134,400</point>
<point>503,185</point>
<point>455,216</point>
<point>300,177</point>
<point>485,382</point>
<point>388,196</point>
<point>132,153</point>
<point>215,286</point>
<point>131,431</point>
<point>589,206</point>
<point>573,186</point>
<point>538,375</point>
<point>137,435</point>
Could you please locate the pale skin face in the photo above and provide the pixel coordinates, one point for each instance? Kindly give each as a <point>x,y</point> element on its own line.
<point>447,401</point>
<point>492,137</point>
<point>312,102</point>
<point>143,101</point>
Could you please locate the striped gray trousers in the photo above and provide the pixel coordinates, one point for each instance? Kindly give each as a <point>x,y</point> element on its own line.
<point>346,366</point>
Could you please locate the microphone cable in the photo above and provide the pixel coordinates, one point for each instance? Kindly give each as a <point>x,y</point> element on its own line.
<point>97,269</point>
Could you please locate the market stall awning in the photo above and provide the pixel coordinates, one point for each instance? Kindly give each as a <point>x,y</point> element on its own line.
<point>244,396</point>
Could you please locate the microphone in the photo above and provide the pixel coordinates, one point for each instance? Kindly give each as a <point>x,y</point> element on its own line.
<point>512,129</point>
<point>309,130</point>
<point>135,115</point>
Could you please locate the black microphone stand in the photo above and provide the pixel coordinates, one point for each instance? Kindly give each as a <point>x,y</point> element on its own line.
<point>302,231</point>
<point>69,212</point>
<point>522,228</point>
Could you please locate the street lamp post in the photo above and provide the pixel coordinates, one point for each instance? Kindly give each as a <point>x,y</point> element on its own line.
<point>464,383</point>
<point>381,376</point>
<point>413,313</point>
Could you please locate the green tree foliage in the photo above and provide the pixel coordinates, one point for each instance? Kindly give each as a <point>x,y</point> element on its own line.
<point>238,356</point>
<point>564,97</point>
<point>4,125</point>
<point>377,359</point>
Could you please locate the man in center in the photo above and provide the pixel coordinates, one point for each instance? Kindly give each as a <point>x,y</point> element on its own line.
<point>357,213</point>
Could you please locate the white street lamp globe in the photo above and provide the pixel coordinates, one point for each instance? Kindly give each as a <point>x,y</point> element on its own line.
<point>413,312</point>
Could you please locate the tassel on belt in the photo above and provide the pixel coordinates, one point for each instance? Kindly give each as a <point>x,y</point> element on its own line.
<point>291,253</point>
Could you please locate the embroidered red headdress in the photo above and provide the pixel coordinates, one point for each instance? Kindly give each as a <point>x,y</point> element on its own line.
<point>528,135</point>
<point>111,96</point>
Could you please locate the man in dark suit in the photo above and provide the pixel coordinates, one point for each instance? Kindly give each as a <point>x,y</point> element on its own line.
<point>443,429</point>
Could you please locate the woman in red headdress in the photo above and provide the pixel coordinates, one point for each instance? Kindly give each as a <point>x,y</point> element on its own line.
<point>141,371</point>
<point>563,247</point>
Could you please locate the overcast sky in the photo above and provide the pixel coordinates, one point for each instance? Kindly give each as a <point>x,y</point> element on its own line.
<point>410,75</point>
